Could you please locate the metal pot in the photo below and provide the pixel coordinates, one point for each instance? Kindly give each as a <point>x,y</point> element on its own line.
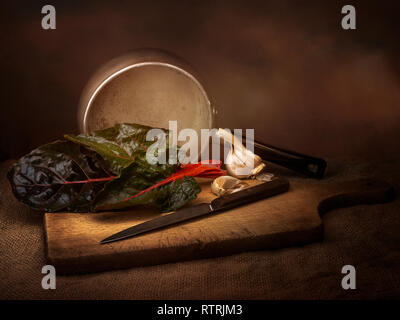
<point>148,87</point>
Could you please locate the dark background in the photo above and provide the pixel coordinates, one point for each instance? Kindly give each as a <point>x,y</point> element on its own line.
<point>285,68</point>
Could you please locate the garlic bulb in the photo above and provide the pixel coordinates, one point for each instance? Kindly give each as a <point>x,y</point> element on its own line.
<point>240,162</point>
<point>227,184</point>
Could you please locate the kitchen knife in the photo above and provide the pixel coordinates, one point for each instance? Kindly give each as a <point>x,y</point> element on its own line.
<point>251,194</point>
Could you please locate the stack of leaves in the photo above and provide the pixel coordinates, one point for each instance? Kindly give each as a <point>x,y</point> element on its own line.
<point>104,170</point>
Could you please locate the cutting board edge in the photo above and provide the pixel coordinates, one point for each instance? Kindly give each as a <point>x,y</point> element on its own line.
<point>211,250</point>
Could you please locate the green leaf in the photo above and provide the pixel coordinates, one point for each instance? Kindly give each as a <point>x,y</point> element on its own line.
<point>119,146</point>
<point>43,178</point>
<point>179,192</point>
<point>98,171</point>
<point>117,193</point>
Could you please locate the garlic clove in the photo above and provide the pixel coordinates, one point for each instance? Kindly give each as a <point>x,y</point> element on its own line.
<point>240,162</point>
<point>227,184</point>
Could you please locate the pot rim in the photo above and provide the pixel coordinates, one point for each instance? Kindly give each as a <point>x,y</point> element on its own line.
<point>109,72</point>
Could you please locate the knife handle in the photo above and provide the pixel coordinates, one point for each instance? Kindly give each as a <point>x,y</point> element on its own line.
<point>252,194</point>
<point>308,165</point>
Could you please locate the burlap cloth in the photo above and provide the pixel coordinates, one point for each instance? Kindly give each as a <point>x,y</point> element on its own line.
<point>367,237</point>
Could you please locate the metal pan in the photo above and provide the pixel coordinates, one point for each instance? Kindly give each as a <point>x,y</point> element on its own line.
<point>148,87</point>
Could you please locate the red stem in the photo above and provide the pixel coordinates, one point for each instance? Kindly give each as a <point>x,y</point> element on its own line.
<point>70,182</point>
<point>91,180</point>
<point>209,170</point>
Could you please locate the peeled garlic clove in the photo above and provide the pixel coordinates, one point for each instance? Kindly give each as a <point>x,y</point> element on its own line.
<point>226,184</point>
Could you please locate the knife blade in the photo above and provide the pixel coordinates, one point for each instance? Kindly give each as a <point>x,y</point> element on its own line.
<point>251,194</point>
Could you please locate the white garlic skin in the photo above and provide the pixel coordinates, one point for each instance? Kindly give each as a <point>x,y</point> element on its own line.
<point>227,184</point>
<point>244,164</point>
<point>240,162</point>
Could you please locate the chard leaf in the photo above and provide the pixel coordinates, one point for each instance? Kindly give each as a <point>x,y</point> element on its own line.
<point>176,194</point>
<point>58,176</point>
<point>168,197</point>
<point>119,145</point>
<point>98,171</point>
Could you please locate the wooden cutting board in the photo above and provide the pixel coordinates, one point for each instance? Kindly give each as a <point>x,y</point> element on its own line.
<point>287,219</point>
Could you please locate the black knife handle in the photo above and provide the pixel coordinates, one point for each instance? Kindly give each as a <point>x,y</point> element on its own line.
<point>252,194</point>
<point>308,165</point>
